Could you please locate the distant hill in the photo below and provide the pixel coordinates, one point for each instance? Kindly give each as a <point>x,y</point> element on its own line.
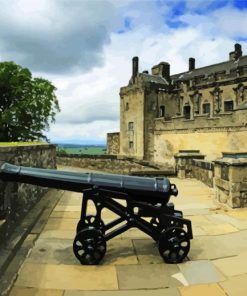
<point>78,145</point>
<point>81,149</point>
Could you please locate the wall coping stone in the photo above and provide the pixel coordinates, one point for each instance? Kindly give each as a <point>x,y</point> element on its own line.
<point>91,156</point>
<point>231,161</point>
<point>204,164</point>
<point>235,155</point>
<point>26,147</point>
<point>189,154</point>
<point>189,151</point>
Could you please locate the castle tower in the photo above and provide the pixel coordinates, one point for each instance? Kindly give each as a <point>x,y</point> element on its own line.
<point>138,109</point>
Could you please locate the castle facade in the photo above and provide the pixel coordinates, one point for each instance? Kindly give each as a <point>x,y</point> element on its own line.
<point>201,109</point>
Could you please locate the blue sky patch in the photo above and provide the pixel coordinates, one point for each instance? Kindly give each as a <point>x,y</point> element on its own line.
<point>127,25</point>
<point>178,9</point>
<point>211,7</point>
<point>241,39</point>
<point>176,24</point>
<point>240,4</point>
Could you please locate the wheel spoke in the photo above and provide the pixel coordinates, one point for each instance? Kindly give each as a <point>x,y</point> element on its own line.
<point>89,246</point>
<point>174,245</point>
<point>90,221</point>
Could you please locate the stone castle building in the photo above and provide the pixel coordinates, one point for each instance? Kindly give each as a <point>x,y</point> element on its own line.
<point>200,109</point>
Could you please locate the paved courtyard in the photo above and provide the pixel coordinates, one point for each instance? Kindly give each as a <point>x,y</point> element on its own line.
<point>216,266</point>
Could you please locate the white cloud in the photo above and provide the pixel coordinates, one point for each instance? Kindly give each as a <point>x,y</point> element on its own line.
<point>87,133</point>
<point>89,98</point>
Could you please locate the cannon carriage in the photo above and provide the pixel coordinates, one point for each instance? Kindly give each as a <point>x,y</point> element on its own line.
<point>147,208</point>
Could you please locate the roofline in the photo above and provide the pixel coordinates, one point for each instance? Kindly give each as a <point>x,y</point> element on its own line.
<point>204,67</point>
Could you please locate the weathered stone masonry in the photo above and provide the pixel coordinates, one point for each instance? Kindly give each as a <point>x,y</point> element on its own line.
<point>19,197</point>
<point>201,109</point>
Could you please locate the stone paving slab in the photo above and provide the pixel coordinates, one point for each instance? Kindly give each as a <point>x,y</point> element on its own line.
<point>235,286</point>
<point>57,251</point>
<point>239,223</point>
<point>61,234</point>
<point>200,272</point>
<point>147,251</point>
<point>61,224</point>
<point>239,213</point>
<point>210,247</point>
<point>68,277</point>
<point>66,215</point>
<point>203,290</point>
<point>151,276</point>
<point>232,266</point>
<point>53,251</point>
<point>219,229</point>
<point>26,291</point>
<point>156,292</point>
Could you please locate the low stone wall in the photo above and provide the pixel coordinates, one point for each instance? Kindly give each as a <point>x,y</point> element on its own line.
<point>191,164</point>
<point>231,179</point>
<point>17,198</point>
<point>113,143</point>
<point>184,162</point>
<point>204,171</point>
<point>105,163</point>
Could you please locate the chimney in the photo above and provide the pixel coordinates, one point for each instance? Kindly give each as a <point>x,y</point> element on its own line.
<point>135,70</point>
<point>238,51</point>
<point>163,69</point>
<point>192,63</point>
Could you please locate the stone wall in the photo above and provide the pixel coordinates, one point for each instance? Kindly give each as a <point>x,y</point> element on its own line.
<point>204,171</point>
<point>18,197</point>
<point>231,179</point>
<point>105,163</point>
<point>113,143</point>
<point>191,164</point>
<point>210,142</point>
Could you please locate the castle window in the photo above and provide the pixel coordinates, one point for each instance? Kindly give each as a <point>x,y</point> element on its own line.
<point>206,108</point>
<point>187,112</point>
<point>162,111</point>
<point>228,106</point>
<point>126,106</point>
<point>131,144</point>
<point>131,126</point>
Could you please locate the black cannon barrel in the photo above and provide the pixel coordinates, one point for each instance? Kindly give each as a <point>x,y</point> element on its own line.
<point>151,190</point>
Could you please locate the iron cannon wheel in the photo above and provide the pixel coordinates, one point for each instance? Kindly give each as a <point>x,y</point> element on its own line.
<point>90,221</point>
<point>156,223</point>
<point>174,245</point>
<point>89,246</point>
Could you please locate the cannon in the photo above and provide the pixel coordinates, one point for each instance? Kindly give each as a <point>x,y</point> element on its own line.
<point>147,208</point>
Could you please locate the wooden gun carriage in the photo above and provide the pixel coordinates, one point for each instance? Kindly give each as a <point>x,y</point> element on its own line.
<point>147,208</point>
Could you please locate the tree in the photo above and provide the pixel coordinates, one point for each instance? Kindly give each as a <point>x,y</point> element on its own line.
<point>27,104</point>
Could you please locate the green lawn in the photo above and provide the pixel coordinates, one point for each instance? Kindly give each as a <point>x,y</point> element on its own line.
<point>85,150</point>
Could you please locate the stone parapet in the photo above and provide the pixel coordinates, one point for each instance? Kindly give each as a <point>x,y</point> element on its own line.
<point>106,163</point>
<point>204,171</point>
<point>16,199</point>
<point>184,162</point>
<point>231,179</point>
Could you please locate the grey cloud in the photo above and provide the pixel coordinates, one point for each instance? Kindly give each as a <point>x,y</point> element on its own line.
<point>58,37</point>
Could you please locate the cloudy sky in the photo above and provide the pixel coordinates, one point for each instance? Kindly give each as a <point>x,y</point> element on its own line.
<point>85,47</point>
